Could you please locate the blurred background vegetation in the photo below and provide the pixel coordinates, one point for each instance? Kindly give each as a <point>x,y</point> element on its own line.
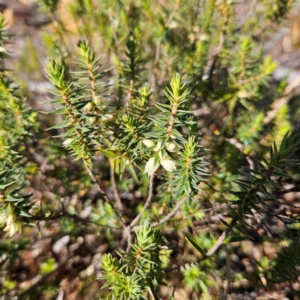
<point>241,60</point>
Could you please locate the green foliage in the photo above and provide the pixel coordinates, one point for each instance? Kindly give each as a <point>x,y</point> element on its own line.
<point>15,119</point>
<point>138,269</point>
<point>15,209</point>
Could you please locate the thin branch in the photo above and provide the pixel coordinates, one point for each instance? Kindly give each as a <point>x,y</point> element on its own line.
<point>227,273</point>
<point>103,195</point>
<point>114,185</point>
<point>241,147</point>
<point>172,15</point>
<point>158,43</point>
<point>281,101</point>
<point>219,242</point>
<point>166,218</point>
<point>38,280</point>
<point>211,251</point>
<point>147,203</point>
<point>170,214</point>
<point>220,45</point>
<point>64,214</point>
<point>115,35</point>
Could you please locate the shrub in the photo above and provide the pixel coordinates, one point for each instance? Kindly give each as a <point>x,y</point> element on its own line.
<point>174,146</point>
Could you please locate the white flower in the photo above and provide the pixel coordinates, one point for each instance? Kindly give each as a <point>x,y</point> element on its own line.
<point>168,164</point>
<point>13,228</point>
<point>67,142</point>
<point>10,220</point>
<point>148,143</point>
<point>151,166</point>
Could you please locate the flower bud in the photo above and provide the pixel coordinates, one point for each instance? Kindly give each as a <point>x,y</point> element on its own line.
<point>243,94</point>
<point>171,147</point>
<point>92,120</point>
<point>97,100</point>
<point>204,37</point>
<point>88,107</point>
<point>148,143</point>
<point>107,117</point>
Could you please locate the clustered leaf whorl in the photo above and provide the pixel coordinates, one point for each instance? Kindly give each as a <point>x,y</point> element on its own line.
<point>140,268</point>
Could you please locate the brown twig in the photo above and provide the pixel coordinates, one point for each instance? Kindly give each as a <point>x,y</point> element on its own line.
<point>114,185</point>
<point>211,251</point>
<point>166,218</point>
<point>147,203</point>
<point>281,101</point>
<point>104,196</point>
<point>241,147</point>
<point>170,214</point>
<point>64,214</point>
<point>158,43</point>
<point>220,45</point>
<point>115,36</point>
<point>227,273</point>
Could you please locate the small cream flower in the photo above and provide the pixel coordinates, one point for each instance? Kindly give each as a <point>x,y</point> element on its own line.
<point>151,166</point>
<point>13,228</point>
<point>10,220</point>
<point>148,143</point>
<point>67,142</point>
<point>168,164</point>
